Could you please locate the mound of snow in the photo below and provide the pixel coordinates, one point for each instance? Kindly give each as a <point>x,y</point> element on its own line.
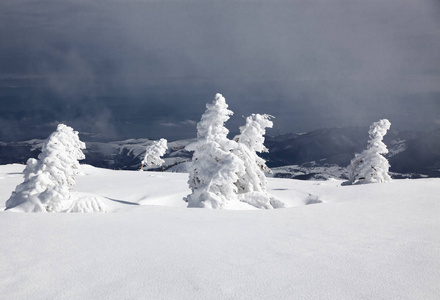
<point>87,204</point>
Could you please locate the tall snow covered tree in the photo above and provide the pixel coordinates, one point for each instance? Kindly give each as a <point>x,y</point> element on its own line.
<point>215,169</point>
<point>153,154</point>
<point>47,181</point>
<point>370,166</point>
<point>252,184</point>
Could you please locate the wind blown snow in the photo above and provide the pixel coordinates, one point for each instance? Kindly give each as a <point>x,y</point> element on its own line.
<point>372,241</point>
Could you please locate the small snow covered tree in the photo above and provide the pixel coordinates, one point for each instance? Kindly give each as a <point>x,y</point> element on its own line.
<point>47,180</point>
<point>153,154</point>
<point>215,169</point>
<point>370,166</point>
<point>252,184</point>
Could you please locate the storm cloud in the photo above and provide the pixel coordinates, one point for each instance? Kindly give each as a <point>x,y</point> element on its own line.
<point>123,69</point>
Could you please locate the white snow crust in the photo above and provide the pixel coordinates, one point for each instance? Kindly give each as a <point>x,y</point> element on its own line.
<point>375,241</point>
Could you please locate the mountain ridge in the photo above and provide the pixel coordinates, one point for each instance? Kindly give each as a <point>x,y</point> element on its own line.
<point>321,150</point>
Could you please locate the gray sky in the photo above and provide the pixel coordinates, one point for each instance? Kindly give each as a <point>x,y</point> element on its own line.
<point>126,69</point>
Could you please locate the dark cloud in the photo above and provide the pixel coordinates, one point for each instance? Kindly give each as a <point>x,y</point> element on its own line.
<point>146,68</point>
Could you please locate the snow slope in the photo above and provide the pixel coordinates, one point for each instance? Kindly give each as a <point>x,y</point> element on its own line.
<point>377,241</point>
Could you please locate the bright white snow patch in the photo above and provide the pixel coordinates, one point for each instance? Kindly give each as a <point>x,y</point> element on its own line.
<point>352,242</point>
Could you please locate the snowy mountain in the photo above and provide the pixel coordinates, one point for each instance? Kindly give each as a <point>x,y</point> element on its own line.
<point>325,153</point>
<point>318,154</point>
<point>373,241</point>
<point>334,146</point>
<point>124,155</point>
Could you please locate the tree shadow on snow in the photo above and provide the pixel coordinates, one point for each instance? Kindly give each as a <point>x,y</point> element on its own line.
<point>122,202</point>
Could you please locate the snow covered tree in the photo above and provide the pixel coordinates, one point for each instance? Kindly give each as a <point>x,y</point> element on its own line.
<point>215,169</point>
<point>370,166</point>
<point>153,154</point>
<point>252,184</point>
<point>47,181</point>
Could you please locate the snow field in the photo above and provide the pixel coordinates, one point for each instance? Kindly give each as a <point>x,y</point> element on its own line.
<point>375,241</point>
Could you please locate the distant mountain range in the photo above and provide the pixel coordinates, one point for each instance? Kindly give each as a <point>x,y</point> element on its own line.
<point>319,154</point>
<point>411,154</point>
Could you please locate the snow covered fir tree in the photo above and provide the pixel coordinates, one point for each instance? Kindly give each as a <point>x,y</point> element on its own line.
<point>215,169</point>
<point>48,179</point>
<point>371,166</point>
<point>225,171</point>
<point>153,154</point>
<point>252,184</point>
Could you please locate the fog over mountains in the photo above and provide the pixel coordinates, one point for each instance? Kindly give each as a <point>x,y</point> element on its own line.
<point>318,154</point>
<point>146,68</point>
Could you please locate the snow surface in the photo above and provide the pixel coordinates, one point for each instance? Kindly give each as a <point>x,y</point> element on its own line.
<point>373,241</point>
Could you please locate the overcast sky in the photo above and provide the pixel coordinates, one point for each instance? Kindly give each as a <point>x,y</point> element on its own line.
<point>126,69</point>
